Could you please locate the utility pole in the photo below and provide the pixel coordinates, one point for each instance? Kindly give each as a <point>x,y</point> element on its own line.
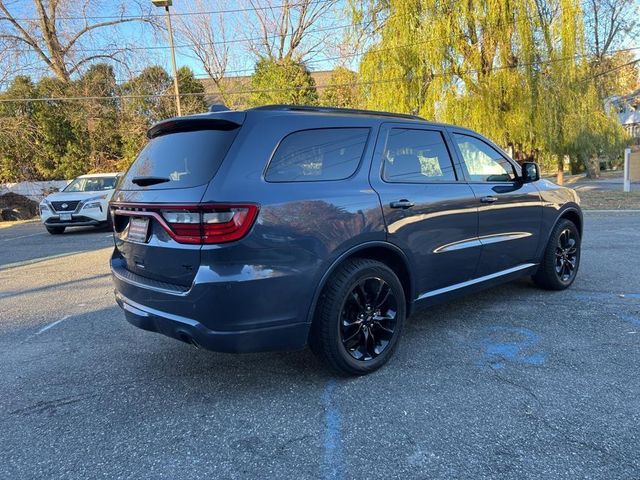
<point>166,4</point>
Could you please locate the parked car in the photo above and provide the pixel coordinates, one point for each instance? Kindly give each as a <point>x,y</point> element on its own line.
<point>280,226</point>
<point>84,201</point>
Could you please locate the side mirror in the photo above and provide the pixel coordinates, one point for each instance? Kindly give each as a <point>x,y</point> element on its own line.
<point>530,172</point>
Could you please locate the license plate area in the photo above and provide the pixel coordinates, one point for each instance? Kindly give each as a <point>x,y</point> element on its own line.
<point>138,229</point>
<point>65,217</point>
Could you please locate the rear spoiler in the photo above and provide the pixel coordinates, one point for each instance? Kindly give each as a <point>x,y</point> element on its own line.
<point>207,121</point>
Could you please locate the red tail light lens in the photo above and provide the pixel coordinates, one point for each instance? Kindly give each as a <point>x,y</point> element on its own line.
<point>222,224</point>
<point>207,224</point>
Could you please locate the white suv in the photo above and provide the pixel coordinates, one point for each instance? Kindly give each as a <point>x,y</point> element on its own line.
<point>85,201</point>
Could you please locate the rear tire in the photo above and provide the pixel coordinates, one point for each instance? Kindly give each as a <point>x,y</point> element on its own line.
<point>561,258</point>
<point>359,317</point>
<point>55,230</point>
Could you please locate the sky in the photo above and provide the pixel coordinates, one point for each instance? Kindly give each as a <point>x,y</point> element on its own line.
<point>150,46</point>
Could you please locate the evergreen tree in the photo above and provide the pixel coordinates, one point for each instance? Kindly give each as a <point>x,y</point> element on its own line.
<point>342,89</point>
<point>282,81</point>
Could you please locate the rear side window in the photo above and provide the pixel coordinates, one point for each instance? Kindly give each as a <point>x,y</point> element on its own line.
<point>320,154</point>
<point>179,160</point>
<point>416,156</point>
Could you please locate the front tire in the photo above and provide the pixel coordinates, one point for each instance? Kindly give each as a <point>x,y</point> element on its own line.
<point>55,230</point>
<point>359,317</point>
<point>561,258</point>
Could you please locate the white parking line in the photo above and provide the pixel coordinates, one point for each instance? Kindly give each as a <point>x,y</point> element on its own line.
<point>51,325</point>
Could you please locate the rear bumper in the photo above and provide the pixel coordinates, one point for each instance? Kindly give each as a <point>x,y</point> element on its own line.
<point>287,337</point>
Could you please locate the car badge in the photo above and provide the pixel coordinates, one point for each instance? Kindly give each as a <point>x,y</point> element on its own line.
<point>64,205</point>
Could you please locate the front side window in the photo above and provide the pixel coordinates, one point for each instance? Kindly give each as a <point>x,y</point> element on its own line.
<point>416,156</point>
<point>320,154</point>
<point>483,162</point>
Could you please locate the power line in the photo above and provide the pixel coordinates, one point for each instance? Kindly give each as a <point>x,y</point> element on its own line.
<point>288,89</point>
<point>191,45</point>
<point>180,14</point>
<point>245,40</point>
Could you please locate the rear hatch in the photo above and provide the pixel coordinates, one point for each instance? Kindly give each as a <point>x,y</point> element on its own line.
<point>156,210</point>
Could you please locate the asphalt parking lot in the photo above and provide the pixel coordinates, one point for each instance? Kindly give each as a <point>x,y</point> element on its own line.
<point>509,383</point>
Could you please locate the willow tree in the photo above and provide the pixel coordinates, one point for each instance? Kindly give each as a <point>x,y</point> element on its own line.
<point>510,70</point>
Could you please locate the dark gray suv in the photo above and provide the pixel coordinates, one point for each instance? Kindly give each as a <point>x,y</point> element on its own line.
<point>281,226</point>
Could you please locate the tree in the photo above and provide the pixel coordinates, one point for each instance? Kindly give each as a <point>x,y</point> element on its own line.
<point>285,28</point>
<point>191,92</point>
<point>610,24</point>
<point>96,119</point>
<point>19,134</point>
<point>148,99</point>
<point>61,31</point>
<point>515,71</point>
<point>282,81</point>
<point>144,104</point>
<point>206,36</point>
<point>342,89</point>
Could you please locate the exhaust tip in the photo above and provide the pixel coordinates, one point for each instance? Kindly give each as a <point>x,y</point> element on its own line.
<point>186,338</point>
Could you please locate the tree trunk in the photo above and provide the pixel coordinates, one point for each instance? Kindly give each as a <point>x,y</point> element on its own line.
<point>560,174</point>
<point>593,167</point>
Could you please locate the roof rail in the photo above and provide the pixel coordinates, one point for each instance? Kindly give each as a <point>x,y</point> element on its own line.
<point>345,111</point>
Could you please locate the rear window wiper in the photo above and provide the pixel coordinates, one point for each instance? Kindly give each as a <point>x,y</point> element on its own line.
<point>147,181</point>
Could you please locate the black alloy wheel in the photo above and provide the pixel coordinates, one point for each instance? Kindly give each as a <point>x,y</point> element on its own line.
<point>561,258</point>
<point>566,256</point>
<point>368,319</point>
<point>359,317</point>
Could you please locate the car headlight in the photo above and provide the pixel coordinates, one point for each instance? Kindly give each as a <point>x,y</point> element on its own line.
<point>43,208</point>
<point>89,205</point>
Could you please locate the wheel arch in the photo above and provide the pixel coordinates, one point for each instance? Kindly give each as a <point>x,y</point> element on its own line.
<point>384,252</point>
<point>572,214</point>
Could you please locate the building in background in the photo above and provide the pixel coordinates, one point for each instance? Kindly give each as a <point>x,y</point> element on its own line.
<point>238,89</point>
<point>628,109</point>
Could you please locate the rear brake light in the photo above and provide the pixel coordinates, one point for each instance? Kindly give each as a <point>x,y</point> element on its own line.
<point>207,224</point>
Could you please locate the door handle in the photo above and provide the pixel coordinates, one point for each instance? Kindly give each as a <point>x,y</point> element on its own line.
<point>402,204</point>
<point>488,199</point>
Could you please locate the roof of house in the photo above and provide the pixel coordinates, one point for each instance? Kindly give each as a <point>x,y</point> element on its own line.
<point>239,88</point>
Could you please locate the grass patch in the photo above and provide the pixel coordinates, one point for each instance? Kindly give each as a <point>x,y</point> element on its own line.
<point>609,200</point>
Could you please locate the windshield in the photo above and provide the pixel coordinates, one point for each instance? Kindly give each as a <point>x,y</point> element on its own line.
<point>91,184</point>
<point>179,160</point>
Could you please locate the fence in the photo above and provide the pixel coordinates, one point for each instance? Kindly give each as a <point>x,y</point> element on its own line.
<point>34,190</point>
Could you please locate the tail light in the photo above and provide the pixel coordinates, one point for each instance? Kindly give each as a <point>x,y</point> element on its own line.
<point>200,224</point>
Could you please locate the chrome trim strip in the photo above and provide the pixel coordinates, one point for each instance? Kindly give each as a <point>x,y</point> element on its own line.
<point>459,245</point>
<point>503,237</point>
<point>473,281</point>
<point>479,241</point>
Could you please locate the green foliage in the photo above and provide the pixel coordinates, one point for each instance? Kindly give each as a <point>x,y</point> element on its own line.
<point>64,138</point>
<point>341,90</point>
<point>191,92</point>
<point>282,81</point>
<point>497,66</point>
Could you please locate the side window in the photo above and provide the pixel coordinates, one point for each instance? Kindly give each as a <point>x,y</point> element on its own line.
<point>416,156</point>
<point>483,163</point>
<point>320,154</point>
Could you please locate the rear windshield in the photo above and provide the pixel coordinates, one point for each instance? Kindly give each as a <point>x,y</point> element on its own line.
<point>179,160</point>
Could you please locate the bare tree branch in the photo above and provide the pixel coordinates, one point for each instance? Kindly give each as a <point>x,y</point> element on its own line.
<point>206,34</point>
<point>56,41</point>
<point>283,27</point>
